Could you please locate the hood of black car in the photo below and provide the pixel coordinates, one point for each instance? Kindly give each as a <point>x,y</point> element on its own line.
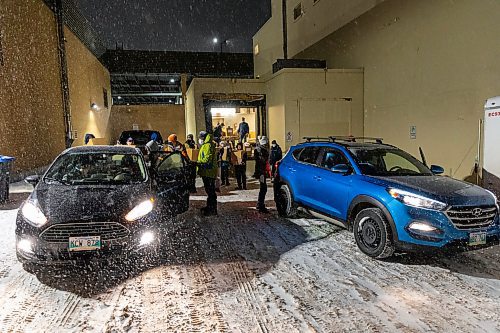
<point>89,202</point>
<point>445,189</point>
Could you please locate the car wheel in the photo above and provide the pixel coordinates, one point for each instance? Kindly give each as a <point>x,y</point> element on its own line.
<point>285,204</point>
<point>373,233</point>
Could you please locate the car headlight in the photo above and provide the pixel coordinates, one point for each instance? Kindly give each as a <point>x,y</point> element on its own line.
<point>494,197</point>
<point>33,214</point>
<point>415,200</point>
<point>141,210</point>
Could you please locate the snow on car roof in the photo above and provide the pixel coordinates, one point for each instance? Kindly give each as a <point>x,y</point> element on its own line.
<point>119,149</point>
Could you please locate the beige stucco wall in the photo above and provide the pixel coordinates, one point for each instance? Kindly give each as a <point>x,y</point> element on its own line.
<point>87,78</point>
<point>319,20</point>
<point>427,63</point>
<point>299,101</point>
<point>166,119</point>
<point>314,103</point>
<point>270,41</point>
<point>31,116</point>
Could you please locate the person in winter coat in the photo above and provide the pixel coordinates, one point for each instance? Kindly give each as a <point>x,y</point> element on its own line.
<point>243,130</point>
<point>218,132</point>
<point>174,145</point>
<point>261,154</point>
<point>240,169</point>
<point>275,156</point>
<point>207,170</point>
<point>190,143</point>
<point>225,162</point>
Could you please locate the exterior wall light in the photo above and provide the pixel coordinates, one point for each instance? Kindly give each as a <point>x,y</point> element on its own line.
<point>94,107</point>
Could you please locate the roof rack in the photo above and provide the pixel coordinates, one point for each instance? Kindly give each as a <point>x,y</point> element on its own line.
<point>355,138</point>
<point>343,138</point>
<point>317,138</point>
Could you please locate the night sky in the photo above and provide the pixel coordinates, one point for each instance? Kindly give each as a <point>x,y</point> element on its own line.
<point>183,25</point>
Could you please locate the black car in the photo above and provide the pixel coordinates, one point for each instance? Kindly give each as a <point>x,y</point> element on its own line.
<point>140,137</point>
<point>97,201</point>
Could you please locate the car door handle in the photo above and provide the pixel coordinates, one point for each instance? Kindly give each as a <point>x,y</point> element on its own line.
<point>317,178</point>
<point>292,169</point>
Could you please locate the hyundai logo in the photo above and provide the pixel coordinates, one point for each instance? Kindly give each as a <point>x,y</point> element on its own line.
<point>477,212</point>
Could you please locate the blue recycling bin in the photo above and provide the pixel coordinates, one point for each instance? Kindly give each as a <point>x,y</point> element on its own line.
<point>5,166</point>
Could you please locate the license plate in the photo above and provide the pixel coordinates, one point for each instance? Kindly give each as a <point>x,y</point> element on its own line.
<point>477,238</point>
<point>89,243</point>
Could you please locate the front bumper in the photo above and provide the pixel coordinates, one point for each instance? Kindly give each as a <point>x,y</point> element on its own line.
<point>51,253</point>
<point>447,235</point>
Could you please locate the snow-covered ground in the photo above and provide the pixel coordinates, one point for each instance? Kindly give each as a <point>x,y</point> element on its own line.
<point>247,272</point>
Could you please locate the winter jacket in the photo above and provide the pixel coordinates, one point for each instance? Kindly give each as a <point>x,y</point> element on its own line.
<point>276,155</point>
<point>191,144</point>
<point>207,159</point>
<point>243,128</point>
<point>261,155</point>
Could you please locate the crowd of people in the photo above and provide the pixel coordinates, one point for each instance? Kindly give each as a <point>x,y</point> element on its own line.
<point>217,158</point>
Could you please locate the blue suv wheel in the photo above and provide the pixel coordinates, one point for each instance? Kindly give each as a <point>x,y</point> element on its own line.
<point>373,233</point>
<point>285,204</point>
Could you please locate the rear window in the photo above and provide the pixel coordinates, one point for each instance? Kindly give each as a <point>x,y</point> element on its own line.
<point>140,137</point>
<point>296,153</point>
<point>309,155</point>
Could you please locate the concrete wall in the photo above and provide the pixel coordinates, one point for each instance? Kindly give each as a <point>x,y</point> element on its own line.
<point>166,119</point>
<point>305,102</point>
<point>31,117</point>
<point>87,79</point>
<point>319,19</point>
<point>427,63</point>
<point>269,40</point>
<point>195,113</point>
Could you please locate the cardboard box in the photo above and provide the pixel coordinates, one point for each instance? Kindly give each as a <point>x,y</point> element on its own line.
<point>237,157</point>
<point>193,154</point>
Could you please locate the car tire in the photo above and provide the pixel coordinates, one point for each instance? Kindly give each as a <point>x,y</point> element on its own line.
<point>285,204</point>
<point>372,233</point>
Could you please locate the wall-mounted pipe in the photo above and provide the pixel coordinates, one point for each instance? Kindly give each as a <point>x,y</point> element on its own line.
<point>58,10</point>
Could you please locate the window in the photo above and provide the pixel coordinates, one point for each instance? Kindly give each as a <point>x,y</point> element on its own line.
<point>105,95</point>
<point>297,11</point>
<point>171,163</point>
<point>309,155</point>
<point>332,157</point>
<point>296,153</point>
<point>256,49</point>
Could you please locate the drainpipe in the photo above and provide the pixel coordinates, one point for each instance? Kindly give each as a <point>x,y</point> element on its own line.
<point>58,8</point>
<point>285,31</point>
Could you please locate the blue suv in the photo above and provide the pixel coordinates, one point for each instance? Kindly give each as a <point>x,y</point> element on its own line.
<point>389,199</point>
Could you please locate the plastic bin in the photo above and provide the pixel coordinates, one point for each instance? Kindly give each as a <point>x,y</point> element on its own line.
<point>5,166</point>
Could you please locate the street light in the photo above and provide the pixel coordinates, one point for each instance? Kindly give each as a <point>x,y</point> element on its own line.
<point>224,42</point>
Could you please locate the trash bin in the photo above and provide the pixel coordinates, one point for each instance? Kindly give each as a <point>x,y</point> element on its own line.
<point>5,166</point>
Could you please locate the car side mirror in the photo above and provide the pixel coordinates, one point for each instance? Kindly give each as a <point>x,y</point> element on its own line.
<point>437,170</point>
<point>33,180</point>
<point>341,168</point>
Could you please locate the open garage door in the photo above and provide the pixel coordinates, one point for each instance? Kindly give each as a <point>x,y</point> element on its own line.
<point>325,117</point>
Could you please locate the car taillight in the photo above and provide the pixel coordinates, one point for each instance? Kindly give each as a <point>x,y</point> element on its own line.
<point>276,166</point>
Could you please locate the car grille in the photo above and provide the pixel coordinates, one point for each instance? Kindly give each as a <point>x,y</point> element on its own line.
<point>472,217</point>
<point>60,233</point>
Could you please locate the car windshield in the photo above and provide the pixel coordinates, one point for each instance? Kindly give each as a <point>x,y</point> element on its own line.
<point>140,137</point>
<point>388,162</point>
<point>97,168</point>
